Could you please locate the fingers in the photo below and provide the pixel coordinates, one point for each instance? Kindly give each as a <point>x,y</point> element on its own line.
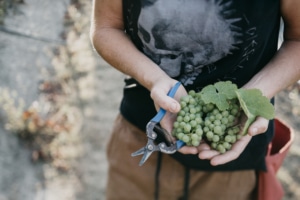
<point>216,158</point>
<point>205,151</point>
<point>194,150</point>
<point>161,99</point>
<point>233,153</point>
<point>260,125</point>
<point>188,150</point>
<point>208,154</point>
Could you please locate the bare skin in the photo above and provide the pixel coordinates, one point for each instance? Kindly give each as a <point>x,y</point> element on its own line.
<point>107,33</point>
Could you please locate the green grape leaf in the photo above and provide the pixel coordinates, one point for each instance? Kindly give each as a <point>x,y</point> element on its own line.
<point>254,104</point>
<point>219,94</point>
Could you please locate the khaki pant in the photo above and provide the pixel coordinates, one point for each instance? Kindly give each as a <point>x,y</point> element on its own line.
<point>127,180</point>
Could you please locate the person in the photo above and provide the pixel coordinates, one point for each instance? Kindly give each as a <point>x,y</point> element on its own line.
<point>197,42</point>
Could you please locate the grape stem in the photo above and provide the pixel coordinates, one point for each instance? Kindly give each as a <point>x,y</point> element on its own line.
<point>250,120</point>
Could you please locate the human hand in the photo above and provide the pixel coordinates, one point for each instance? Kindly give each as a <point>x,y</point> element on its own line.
<point>171,105</point>
<point>259,126</point>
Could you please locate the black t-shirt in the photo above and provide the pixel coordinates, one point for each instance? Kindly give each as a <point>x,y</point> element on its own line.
<point>200,42</point>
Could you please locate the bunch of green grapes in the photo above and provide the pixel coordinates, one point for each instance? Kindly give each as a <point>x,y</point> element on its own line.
<point>197,120</point>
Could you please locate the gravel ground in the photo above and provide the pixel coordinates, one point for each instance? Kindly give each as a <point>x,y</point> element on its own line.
<point>29,41</point>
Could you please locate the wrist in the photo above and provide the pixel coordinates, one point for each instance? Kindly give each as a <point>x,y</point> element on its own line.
<point>157,79</point>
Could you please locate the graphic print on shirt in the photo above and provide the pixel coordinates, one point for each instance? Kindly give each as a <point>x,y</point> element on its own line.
<point>183,36</point>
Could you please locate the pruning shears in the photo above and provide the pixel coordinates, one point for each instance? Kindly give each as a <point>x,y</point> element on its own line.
<point>153,130</point>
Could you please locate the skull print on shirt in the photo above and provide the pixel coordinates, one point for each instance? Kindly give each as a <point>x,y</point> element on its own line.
<point>183,36</point>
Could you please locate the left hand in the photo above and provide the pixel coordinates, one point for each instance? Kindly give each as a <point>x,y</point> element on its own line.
<point>205,152</point>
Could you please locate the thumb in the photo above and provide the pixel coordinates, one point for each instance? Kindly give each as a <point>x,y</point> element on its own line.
<point>162,100</point>
<point>260,125</point>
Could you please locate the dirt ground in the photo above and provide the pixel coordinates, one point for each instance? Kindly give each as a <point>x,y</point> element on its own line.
<point>40,40</point>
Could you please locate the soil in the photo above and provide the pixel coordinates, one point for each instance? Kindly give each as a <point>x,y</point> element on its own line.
<point>46,40</point>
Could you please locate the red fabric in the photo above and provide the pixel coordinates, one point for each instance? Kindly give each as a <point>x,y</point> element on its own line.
<point>269,187</point>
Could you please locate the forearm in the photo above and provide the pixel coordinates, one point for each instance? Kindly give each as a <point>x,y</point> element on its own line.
<point>116,48</point>
<point>282,71</point>
<point>284,68</point>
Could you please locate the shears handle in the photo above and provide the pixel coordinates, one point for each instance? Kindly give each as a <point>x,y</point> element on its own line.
<point>179,144</point>
<point>161,113</point>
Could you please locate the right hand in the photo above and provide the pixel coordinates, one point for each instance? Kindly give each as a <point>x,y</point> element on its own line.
<point>161,100</point>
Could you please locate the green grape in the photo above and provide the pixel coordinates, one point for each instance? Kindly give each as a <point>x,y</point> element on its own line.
<point>204,109</point>
<point>195,137</point>
<point>193,123</point>
<point>185,138</point>
<point>234,111</point>
<point>229,147</point>
<point>192,101</point>
<point>225,113</point>
<point>205,129</point>
<point>209,135</point>
<point>207,122</point>
<point>199,108</point>
<point>223,126</point>
<point>192,116</point>
<point>236,129</point>
<point>181,113</point>
<point>187,128</point>
<point>233,139</point>
<point>228,138</point>
<point>226,145</point>
<point>210,107</point>
<point>215,111</point>
<point>192,93</point>
<point>193,110</point>
<point>221,148</point>
<point>183,104</point>
<point>219,116</point>
<point>185,99</point>
<point>216,138</point>
<point>217,122</point>
<point>179,130</point>
<point>182,124</point>
<point>180,136</point>
<point>179,118</point>
<point>211,126</point>
<point>199,131</point>
<point>176,124</point>
<point>224,121</point>
<point>218,130</point>
<point>186,118</point>
<point>197,120</point>
<point>212,118</point>
<point>191,106</point>
<point>214,145</point>
<point>186,109</point>
<point>195,143</point>
<point>230,118</point>
<point>230,132</point>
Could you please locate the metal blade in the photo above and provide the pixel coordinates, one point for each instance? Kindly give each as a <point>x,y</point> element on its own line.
<point>139,152</point>
<point>145,157</point>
